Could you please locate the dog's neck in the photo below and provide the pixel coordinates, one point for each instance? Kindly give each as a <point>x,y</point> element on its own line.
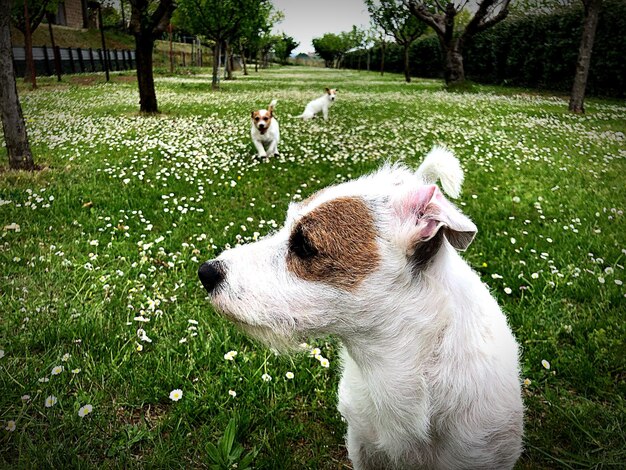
<point>394,357</point>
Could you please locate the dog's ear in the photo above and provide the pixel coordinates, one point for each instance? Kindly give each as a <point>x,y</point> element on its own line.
<point>327,90</point>
<point>426,214</point>
<point>252,113</point>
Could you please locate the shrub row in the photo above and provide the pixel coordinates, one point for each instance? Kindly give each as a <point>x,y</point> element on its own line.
<point>537,51</point>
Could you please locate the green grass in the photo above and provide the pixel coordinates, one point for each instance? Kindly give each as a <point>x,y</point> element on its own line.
<point>115,226</point>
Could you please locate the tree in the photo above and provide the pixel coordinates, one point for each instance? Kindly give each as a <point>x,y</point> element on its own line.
<point>332,47</point>
<point>397,21</point>
<point>26,16</point>
<point>222,21</point>
<point>15,136</point>
<point>328,48</point>
<point>592,12</point>
<point>253,29</point>
<point>148,20</point>
<point>284,47</point>
<point>440,15</point>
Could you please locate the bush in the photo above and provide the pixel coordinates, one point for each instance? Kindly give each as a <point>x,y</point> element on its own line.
<point>536,51</point>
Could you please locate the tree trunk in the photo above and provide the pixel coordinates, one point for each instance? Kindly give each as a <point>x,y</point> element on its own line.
<point>15,136</point>
<point>215,81</point>
<point>592,11</point>
<point>228,61</point>
<point>368,60</point>
<point>407,72</point>
<point>55,52</point>
<point>144,44</point>
<point>454,73</point>
<point>382,59</point>
<point>30,73</point>
<point>243,61</point>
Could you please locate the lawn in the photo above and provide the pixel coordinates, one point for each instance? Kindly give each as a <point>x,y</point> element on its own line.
<point>100,304</point>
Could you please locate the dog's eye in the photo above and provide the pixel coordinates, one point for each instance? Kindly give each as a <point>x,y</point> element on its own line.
<point>301,246</point>
<point>256,118</point>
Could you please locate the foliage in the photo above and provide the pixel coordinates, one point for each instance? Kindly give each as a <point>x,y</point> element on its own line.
<point>37,10</point>
<point>536,50</point>
<point>396,20</point>
<point>227,454</point>
<point>332,47</point>
<point>442,16</point>
<point>540,51</point>
<point>284,46</point>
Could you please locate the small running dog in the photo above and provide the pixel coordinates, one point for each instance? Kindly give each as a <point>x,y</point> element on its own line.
<point>323,103</point>
<point>265,131</point>
<point>430,366</point>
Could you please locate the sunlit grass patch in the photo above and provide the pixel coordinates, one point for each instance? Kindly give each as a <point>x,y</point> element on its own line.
<point>102,311</point>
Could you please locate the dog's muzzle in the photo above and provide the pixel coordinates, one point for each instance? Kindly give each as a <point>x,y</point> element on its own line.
<point>211,274</point>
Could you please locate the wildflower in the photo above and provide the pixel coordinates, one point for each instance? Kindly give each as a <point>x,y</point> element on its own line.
<point>232,393</point>
<point>266,377</point>
<point>193,322</point>
<point>324,362</point>
<point>618,282</point>
<point>66,357</point>
<point>94,242</point>
<point>516,199</point>
<point>10,426</point>
<point>1,353</point>
<point>315,352</point>
<point>176,394</point>
<point>535,275</point>
<point>57,370</point>
<point>601,280</point>
<point>182,340</point>
<point>527,382</point>
<point>289,375</point>
<point>51,400</point>
<point>513,241</point>
<point>44,379</point>
<point>76,371</point>
<point>507,290</point>
<point>138,347</point>
<point>143,336</point>
<point>85,410</point>
<point>25,397</point>
<point>230,355</point>
<point>545,364</point>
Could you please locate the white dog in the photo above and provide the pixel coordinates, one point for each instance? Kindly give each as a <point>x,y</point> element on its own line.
<point>265,131</point>
<point>430,366</point>
<point>323,103</point>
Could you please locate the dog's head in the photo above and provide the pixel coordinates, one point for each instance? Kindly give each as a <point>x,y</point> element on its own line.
<point>332,93</point>
<point>343,256</point>
<point>262,118</point>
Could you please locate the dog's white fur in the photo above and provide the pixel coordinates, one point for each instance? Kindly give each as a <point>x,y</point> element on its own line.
<point>321,104</point>
<point>430,367</point>
<point>265,131</point>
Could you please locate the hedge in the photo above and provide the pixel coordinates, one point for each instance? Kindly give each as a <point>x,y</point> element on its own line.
<point>535,51</point>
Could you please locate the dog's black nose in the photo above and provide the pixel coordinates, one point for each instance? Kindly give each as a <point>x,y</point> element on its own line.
<point>211,274</point>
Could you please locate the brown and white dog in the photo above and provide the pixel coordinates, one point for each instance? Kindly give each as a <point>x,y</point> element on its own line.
<point>323,103</point>
<point>265,131</point>
<point>430,374</point>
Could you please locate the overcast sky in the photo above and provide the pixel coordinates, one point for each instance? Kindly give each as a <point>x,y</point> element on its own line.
<point>308,19</point>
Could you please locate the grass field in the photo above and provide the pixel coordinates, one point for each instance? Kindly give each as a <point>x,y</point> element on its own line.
<point>100,304</point>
